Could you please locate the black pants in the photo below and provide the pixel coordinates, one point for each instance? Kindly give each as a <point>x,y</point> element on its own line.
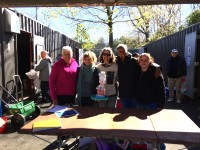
<point>45,91</point>
<point>66,99</point>
<point>87,101</point>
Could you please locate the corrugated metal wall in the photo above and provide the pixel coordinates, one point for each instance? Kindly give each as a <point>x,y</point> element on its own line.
<point>54,41</point>
<point>161,49</point>
<point>1,47</point>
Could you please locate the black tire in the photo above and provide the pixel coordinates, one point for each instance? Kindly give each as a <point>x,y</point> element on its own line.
<point>37,112</point>
<point>18,120</point>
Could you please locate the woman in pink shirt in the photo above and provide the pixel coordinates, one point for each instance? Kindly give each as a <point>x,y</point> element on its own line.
<point>63,78</point>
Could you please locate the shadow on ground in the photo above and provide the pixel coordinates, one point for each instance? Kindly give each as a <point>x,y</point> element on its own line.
<point>30,142</point>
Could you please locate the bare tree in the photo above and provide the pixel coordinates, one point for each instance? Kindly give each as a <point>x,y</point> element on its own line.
<point>155,21</point>
<point>141,18</point>
<point>92,16</point>
<point>195,6</point>
<point>167,19</point>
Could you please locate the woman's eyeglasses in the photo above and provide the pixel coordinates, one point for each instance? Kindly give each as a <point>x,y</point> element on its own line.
<point>104,54</point>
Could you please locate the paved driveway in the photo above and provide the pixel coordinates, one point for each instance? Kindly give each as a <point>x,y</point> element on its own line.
<point>11,140</point>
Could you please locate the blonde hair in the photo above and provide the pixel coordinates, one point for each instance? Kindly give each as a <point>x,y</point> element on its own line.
<point>91,55</point>
<point>151,59</point>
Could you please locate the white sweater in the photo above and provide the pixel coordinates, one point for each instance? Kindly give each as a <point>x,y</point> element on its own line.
<point>111,77</point>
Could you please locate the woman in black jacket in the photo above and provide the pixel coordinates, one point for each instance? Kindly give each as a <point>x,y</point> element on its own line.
<point>150,90</point>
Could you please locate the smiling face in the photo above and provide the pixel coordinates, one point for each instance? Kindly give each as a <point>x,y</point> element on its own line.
<point>67,55</point>
<point>144,61</point>
<point>121,52</point>
<point>87,60</point>
<point>106,56</point>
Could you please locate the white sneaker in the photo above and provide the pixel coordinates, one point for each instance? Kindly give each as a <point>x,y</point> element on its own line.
<point>170,100</point>
<point>178,101</point>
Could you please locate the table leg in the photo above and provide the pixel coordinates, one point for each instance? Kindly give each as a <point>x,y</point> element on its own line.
<point>59,138</point>
<point>157,145</point>
<point>65,141</point>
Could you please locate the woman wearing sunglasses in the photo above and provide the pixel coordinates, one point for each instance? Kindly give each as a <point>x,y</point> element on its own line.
<point>109,66</point>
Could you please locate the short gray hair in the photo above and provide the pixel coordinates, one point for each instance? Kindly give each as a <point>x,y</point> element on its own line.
<point>67,48</point>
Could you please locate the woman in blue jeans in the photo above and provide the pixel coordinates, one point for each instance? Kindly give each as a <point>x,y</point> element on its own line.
<point>128,68</point>
<point>150,91</point>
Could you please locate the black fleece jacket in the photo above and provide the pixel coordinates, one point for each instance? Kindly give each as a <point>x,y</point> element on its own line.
<point>127,76</point>
<point>150,89</point>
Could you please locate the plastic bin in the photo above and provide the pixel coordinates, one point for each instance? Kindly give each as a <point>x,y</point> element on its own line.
<point>118,104</point>
<point>3,127</point>
<point>139,147</point>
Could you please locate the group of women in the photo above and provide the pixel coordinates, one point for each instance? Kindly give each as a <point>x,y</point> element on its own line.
<point>137,82</point>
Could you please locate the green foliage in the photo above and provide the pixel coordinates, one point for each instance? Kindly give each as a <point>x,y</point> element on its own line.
<point>81,34</point>
<point>129,41</point>
<point>83,37</point>
<point>165,31</point>
<point>88,46</point>
<point>193,18</point>
<point>141,18</point>
<point>181,27</point>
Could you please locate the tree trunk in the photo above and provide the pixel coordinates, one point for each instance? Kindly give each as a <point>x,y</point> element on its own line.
<point>111,36</point>
<point>110,26</point>
<point>146,37</point>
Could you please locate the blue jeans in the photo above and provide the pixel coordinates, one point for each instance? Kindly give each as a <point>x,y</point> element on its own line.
<point>129,102</point>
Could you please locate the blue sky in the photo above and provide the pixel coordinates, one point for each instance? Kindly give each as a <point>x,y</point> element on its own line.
<point>119,29</point>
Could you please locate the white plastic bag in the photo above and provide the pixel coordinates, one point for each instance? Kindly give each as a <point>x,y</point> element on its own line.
<point>32,74</point>
<point>183,88</point>
<point>37,82</point>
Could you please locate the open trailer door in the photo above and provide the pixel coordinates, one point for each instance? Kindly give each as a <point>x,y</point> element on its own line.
<point>190,58</point>
<point>38,46</point>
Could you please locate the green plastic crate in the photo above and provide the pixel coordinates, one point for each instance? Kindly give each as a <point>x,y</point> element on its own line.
<point>24,108</point>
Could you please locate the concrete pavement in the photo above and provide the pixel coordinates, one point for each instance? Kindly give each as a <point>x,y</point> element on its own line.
<point>12,140</point>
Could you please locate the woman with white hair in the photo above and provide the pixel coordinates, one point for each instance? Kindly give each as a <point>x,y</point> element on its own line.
<point>44,67</point>
<point>63,78</point>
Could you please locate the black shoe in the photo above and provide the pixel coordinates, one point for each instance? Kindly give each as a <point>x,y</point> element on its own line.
<point>51,103</point>
<point>41,101</point>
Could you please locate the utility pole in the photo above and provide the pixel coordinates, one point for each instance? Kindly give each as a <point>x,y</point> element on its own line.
<point>36,13</point>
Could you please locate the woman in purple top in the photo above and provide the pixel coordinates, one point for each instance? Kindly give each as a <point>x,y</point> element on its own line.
<point>63,78</point>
